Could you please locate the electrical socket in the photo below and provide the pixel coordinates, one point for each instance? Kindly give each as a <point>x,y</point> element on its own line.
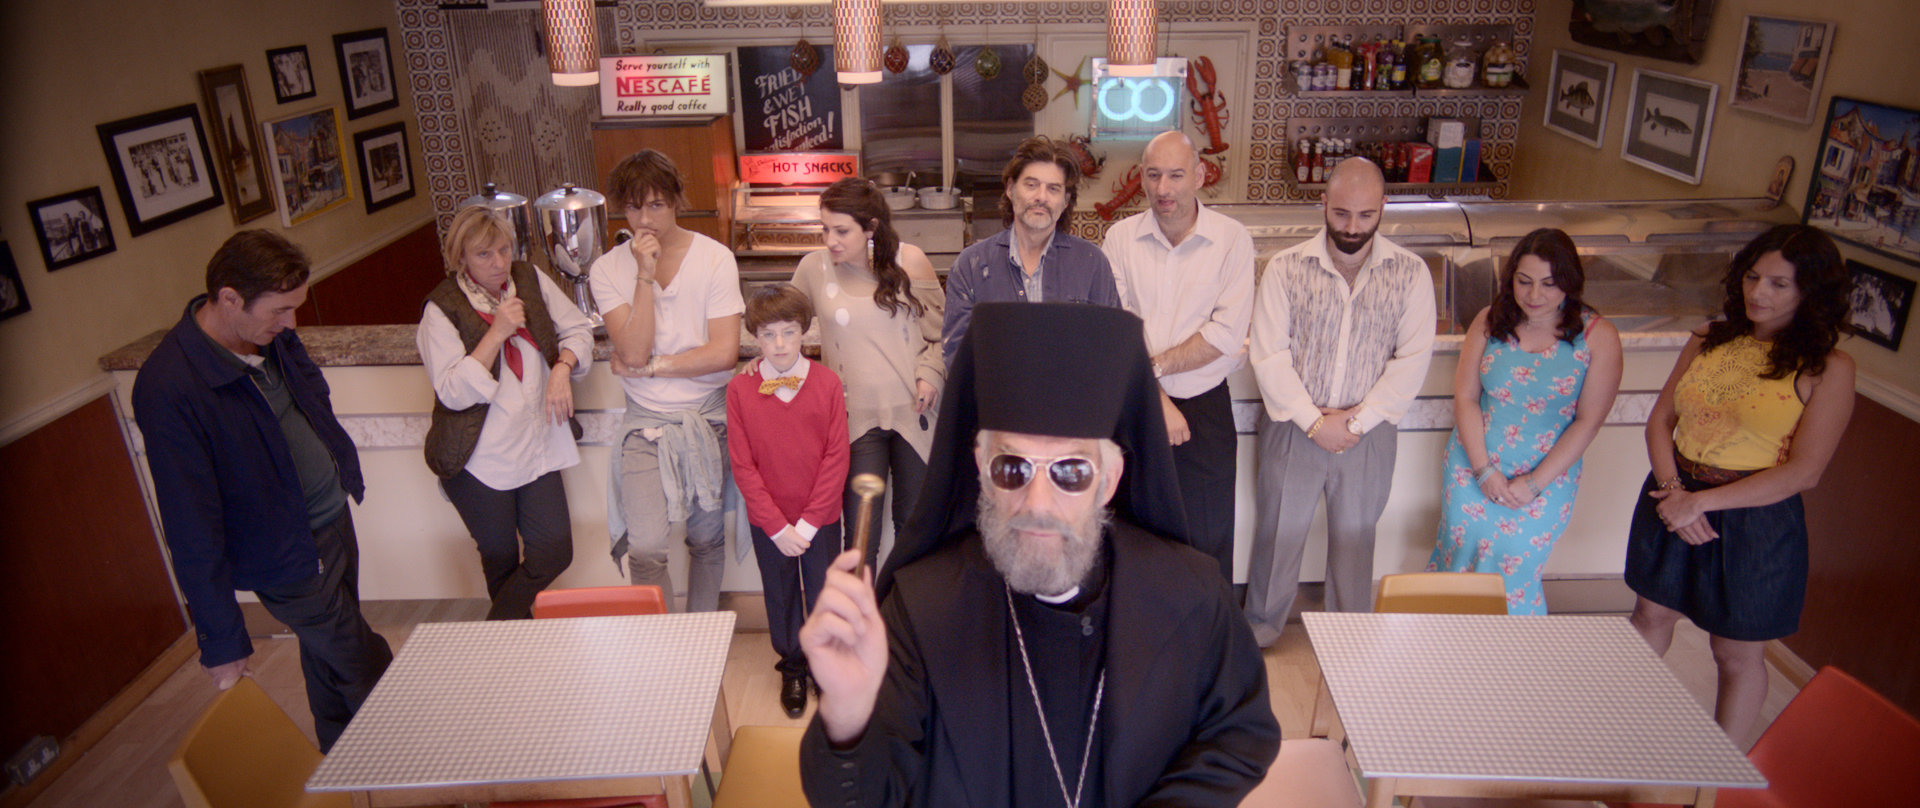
<point>32,759</point>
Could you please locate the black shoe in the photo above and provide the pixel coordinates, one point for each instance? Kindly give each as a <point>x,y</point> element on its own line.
<point>793,695</point>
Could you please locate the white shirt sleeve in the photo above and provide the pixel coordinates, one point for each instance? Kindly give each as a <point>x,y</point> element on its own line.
<point>1272,352</point>
<point>458,380</point>
<point>572,328</point>
<point>612,279</point>
<point>723,293</point>
<point>1115,248</point>
<point>1226,328</point>
<point>1400,381</point>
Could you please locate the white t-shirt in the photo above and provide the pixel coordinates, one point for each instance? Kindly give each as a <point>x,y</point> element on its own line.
<point>707,287</point>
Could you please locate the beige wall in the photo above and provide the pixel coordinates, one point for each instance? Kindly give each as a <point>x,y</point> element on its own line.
<point>70,65</point>
<point>1873,59</point>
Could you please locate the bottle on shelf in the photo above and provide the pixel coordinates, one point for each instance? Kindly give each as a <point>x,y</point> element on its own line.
<point>1342,61</point>
<point>1383,61</point>
<point>1397,50</point>
<point>1301,169</point>
<point>1461,64</point>
<point>1428,63</point>
<point>1499,68</point>
<point>1318,168</point>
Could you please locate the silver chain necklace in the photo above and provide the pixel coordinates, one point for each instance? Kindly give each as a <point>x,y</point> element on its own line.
<point>1099,692</point>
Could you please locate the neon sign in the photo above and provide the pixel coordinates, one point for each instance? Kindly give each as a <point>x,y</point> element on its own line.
<point>1137,108</point>
<point>798,168</point>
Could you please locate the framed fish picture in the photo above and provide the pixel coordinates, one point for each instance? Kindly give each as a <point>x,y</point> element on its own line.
<point>1578,90</point>
<point>1669,120</point>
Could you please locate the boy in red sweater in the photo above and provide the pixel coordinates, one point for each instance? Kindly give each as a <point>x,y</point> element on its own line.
<point>787,436</point>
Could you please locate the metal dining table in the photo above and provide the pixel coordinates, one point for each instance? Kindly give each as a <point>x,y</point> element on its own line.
<point>1573,707</point>
<point>539,709</point>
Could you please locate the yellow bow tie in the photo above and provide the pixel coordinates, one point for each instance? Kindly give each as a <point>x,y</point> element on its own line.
<point>790,382</point>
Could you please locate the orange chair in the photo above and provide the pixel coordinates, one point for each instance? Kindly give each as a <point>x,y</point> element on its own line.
<point>596,601</point>
<point>599,601</point>
<point>1442,593</point>
<point>1838,743</point>
<point>763,770</point>
<point>245,752</point>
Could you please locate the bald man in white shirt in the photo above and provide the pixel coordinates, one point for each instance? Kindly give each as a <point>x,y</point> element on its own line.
<point>1188,273</point>
<point>1342,334</point>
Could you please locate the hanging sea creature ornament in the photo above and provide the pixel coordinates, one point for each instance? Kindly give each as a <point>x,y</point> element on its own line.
<point>896,56</point>
<point>942,60</point>
<point>987,64</point>
<point>1209,106</point>
<point>805,57</point>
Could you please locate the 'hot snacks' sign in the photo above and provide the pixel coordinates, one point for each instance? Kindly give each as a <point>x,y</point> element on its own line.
<point>663,86</point>
<point>794,168</point>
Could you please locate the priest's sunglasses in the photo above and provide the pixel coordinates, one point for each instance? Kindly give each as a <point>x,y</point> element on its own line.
<point>1070,474</point>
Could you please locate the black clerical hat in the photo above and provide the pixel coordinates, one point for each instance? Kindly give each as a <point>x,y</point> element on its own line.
<point>1059,369</point>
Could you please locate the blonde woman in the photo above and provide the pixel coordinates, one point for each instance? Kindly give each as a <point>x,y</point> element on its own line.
<point>501,344</point>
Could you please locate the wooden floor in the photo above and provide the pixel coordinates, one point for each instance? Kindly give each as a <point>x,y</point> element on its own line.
<point>128,767</point>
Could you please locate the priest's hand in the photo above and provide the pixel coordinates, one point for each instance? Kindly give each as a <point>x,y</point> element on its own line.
<point>846,647</point>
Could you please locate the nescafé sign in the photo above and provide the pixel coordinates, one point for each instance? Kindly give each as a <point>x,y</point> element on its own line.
<point>663,86</point>
<point>791,168</point>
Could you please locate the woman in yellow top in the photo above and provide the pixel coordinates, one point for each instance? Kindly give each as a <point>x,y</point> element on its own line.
<point>1748,419</point>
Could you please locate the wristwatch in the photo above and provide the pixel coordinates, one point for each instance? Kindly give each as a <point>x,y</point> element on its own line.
<point>1158,371</point>
<point>1353,424</point>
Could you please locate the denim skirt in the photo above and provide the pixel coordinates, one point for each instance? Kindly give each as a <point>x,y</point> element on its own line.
<point>1749,584</point>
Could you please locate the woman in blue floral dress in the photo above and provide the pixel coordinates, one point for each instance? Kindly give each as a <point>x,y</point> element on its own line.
<point>1538,372</point>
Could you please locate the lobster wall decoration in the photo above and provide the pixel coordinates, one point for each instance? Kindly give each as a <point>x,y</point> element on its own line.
<point>1123,194</point>
<point>1209,106</point>
<point>1082,150</point>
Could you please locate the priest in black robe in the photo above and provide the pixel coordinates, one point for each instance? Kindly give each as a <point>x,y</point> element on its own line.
<point>1042,635</point>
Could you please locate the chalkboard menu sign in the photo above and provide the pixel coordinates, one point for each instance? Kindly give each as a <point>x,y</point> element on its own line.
<point>784,111</point>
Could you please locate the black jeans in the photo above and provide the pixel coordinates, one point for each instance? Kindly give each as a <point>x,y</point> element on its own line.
<point>501,521</point>
<point>341,657</point>
<point>877,452</point>
<point>788,602</point>
<point>1205,466</point>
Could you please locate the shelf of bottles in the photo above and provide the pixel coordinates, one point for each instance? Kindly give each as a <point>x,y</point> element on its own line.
<point>1388,61</point>
<point>1316,145</point>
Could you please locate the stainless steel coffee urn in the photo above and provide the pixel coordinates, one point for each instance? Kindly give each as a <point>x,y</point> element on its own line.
<point>518,213</point>
<point>573,228</point>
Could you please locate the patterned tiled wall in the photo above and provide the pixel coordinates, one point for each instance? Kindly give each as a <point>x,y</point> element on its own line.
<point>463,107</point>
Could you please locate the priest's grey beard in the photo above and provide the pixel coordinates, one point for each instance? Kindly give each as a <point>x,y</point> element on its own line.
<point>1036,568</point>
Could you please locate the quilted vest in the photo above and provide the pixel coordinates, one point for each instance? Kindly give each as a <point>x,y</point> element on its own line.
<point>454,433</point>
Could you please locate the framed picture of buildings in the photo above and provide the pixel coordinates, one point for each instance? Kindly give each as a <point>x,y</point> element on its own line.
<point>366,72</point>
<point>1781,67</point>
<point>72,227</point>
<point>1578,91</point>
<point>386,172</point>
<point>236,142</point>
<point>1669,120</point>
<point>1869,161</point>
<point>309,172</point>
<point>161,167</point>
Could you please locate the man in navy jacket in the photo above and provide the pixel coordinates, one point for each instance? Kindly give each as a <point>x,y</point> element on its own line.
<point>252,472</point>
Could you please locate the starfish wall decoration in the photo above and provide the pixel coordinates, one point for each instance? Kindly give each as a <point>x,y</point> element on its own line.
<point>1074,81</point>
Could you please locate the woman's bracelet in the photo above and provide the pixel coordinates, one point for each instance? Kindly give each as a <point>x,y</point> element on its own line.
<point>1672,485</point>
<point>1315,429</point>
<point>1485,473</point>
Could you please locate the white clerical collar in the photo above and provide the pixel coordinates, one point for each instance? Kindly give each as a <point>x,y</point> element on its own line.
<point>1060,598</point>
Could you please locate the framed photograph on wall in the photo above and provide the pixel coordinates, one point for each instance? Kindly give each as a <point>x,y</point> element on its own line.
<point>292,73</point>
<point>1578,91</point>
<point>1669,120</point>
<point>1879,304</point>
<point>1781,67</point>
<point>236,142</point>
<point>386,170</point>
<point>161,167</point>
<point>366,72</point>
<point>1861,175</point>
<point>13,294</point>
<point>309,170</point>
<point>72,227</point>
